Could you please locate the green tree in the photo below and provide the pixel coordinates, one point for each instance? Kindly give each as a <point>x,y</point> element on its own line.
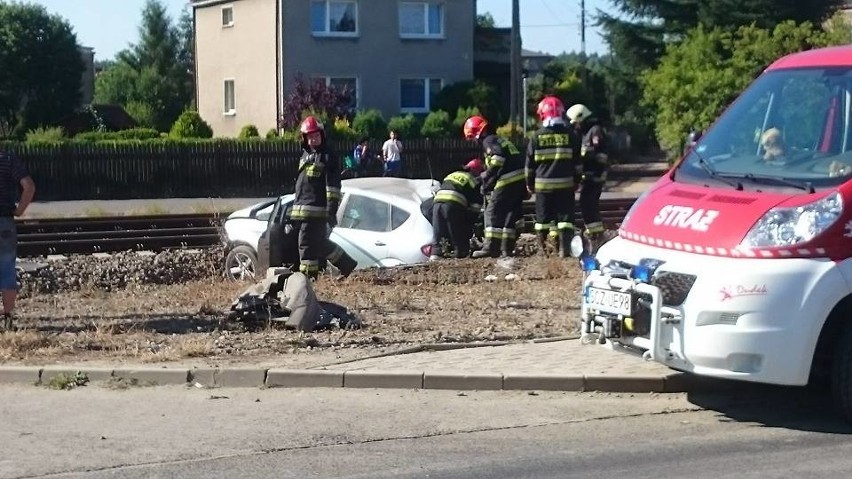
<point>475,94</point>
<point>485,20</point>
<point>407,126</point>
<point>154,72</point>
<point>370,123</point>
<point>699,77</point>
<point>40,68</point>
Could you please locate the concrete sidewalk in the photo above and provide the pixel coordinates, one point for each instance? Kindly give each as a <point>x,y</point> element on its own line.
<point>556,365</point>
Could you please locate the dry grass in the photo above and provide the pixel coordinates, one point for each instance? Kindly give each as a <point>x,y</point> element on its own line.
<point>446,301</point>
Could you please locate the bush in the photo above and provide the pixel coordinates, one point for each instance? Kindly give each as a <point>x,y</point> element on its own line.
<point>407,126</point>
<point>511,130</point>
<point>342,129</point>
<point>190,125</point>
<point>46,135</point>
<point>436,125</point>
<point>248,131</point>
<point>272,134</point>
<point>138,134</point>
<point>370,123</point>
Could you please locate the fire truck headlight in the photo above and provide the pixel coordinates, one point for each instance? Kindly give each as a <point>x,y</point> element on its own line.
<point>792,226</point>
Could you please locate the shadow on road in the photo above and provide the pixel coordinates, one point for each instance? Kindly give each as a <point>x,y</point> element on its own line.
<point>797,408</point>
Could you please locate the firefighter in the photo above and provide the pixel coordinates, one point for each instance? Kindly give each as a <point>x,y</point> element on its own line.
<point>502,186</point>
<point>595,167</point>
<point>455,207</point>
<point>314,210</point>
<point>553,168</point>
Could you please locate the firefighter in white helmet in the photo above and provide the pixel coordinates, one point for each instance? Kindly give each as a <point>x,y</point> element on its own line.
<point>595,167</point>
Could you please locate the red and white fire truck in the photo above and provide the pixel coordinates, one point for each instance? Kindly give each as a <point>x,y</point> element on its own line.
<point>738,262</point>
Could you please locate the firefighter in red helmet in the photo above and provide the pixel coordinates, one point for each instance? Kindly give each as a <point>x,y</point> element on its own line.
<point>553,168</point>
<point>314,210</point>
<point>455,206</point>
<point>502,185</point>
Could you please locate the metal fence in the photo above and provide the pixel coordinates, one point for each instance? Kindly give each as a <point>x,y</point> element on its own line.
<point>102,171</point>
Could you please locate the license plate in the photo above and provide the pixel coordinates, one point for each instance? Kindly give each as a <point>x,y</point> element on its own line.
<point>607,301</point>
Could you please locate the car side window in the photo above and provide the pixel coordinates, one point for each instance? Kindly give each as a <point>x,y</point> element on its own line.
<point>281,212</point>
<point>398,217</point>
<point>364,213</point>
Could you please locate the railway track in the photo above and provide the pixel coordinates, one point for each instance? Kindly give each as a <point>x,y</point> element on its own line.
<point>42,237</point>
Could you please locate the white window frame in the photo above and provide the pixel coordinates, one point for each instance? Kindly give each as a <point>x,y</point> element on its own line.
<point>425,34</point>
<point>327,30</point>
<point>228,8</point>
<point>427,94</point>
<point>233,100</point>
<point>328,80</point>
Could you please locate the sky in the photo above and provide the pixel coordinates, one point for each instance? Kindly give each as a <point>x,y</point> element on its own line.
<point>550,26</point>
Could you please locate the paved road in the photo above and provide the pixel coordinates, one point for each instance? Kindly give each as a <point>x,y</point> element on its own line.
<point>212,433</point>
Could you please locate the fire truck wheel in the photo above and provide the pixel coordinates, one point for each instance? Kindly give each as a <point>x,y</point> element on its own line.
<point>841,375</point>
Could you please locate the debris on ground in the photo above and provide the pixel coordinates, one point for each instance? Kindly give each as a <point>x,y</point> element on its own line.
<point>289,298</point>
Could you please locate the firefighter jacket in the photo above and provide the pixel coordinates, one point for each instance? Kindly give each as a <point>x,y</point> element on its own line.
<point>553,159</point>
<point>595,155</point>
<point>317,186</point>
<point>503,164</point>
<point>462,188</point>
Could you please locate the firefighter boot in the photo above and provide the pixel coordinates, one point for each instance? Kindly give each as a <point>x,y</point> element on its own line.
<point>490,249</point>
<point>345,264</point>
<point>541,242</point>
<point>508,246</point>
<point>565,237</point>
<point>553,241</point>
<point>592,240</point>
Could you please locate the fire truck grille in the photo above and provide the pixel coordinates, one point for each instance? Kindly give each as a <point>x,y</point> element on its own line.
<point>673,286</point>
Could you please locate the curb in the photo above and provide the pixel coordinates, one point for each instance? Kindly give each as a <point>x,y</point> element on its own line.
<point>389,379</point>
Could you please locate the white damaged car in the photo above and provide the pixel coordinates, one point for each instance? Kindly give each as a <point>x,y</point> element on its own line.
<point>380,223</point>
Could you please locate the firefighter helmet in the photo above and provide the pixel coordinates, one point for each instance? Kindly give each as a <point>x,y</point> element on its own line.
<point>579,112</point>
<point>474,126</point>
<point>550,107</point>
<point>475,166</point>
<point>309,125</point>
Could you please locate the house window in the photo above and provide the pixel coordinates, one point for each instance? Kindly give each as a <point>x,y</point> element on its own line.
<point>227,17</point>
<point>230,102</point>
<point>348,85</point>
<point>421,19</point>
<point>334,17</point>
<point>416,94</point>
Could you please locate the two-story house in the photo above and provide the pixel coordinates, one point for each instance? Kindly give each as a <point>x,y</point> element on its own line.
<point>395,55</point>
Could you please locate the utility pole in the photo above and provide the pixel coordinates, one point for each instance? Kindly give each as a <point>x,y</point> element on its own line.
<point>515,62</point>
<point>583,28</point>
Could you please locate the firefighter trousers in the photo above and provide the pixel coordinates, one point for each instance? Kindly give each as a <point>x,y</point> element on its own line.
<point>451,222</point>
<point>554,211</point>
<point>590,206</point>
<point>503,210</point>
<point>314,245</point>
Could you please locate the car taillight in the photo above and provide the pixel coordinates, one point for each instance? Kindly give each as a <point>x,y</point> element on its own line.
<point>426,249</point>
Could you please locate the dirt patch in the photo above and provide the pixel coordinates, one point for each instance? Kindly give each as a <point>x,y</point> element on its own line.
<point>441,302</point>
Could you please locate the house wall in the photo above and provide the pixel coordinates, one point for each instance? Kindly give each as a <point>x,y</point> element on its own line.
<point>245,52</point>
<point>377,56</point>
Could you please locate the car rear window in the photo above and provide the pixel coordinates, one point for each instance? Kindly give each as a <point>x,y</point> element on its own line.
<point>398,217</point>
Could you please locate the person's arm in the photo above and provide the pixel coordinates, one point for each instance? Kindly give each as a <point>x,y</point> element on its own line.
<point>530,165</point>
<point>27,193</point>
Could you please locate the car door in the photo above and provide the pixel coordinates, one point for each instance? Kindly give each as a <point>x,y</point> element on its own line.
<point>363,229</point>
<point>272,243</point>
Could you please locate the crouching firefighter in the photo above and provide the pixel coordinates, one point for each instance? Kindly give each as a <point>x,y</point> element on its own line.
<point>314,211</point>
<point>595,166</point>
<point>455,207</point>
<point>502,185</point>
<point>553,167</point>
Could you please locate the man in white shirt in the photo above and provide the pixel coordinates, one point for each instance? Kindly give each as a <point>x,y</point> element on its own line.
<point>391,150</point>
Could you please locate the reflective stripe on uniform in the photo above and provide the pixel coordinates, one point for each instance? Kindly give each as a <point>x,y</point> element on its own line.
<point>509,178</point>
<point>494,233</point>
<point>594,228</point>
<point>553,154</point>
<point>332,193</point>
<point>308,211</point>
<point>494,161</point>
<point>552,184</point>
<point>564,225</point>
<point>308,265</point>
<point>446,196</point>
<point>509,233</point>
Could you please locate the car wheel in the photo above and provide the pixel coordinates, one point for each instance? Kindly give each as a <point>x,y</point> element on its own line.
<point>241,264</point>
